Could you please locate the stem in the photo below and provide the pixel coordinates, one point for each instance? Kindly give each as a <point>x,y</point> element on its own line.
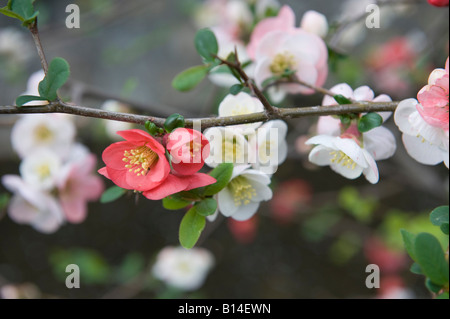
<point>207,122</point>
<point>271,111</point>
<point>37,42</point>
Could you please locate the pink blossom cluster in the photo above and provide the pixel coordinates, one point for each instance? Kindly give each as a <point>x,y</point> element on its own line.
<point>57,175</point>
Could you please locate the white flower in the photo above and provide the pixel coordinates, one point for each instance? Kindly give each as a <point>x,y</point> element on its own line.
<point>33,206</point>
<point>33,87</point>
<point>226,146</point>
<point>314,22</point>
<point>362,93</point>
<point>425,143</point>
<point>37,131</point>
<point>271,147</point>
<point>14,45</point>
<point>112,127</point>
<point>40,169</point>
<point>344,156</point>
<point>241,198</point>
<point>241,104</point>
<point>184,269</point>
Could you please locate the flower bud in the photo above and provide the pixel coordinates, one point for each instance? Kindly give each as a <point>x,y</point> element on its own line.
<point>314,22</point>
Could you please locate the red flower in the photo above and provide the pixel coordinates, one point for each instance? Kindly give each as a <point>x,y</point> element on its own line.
<point>439,3</point>
<point>188,149</point>
<point>139,163</point>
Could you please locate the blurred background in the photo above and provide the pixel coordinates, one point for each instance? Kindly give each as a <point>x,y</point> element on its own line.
<point>314,239</point>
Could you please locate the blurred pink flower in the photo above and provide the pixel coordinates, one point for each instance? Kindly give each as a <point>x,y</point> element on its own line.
<point>439,3</point>
<point>289,198</point>
<point>244,231</point>
<point>389,260</point>
<point>77,185</point>
<point>33,206</point>
<point>433,99</point>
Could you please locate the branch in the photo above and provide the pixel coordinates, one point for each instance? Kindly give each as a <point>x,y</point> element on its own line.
<point>271,111</point>
<point>207,122</point>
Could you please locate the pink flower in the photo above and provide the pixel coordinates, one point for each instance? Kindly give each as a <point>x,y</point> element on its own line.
<point>284,21</point>
<point>290,197</point>
<point>244,231</point>
<point>438,3</point>
<point>139,163</point>
<point>433,99</point>
<point>77,186</point>
<point>188,149</point>
<point>32,206</point>
<point>299,51</point>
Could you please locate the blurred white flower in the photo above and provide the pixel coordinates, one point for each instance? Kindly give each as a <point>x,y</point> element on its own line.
<point>185,269</point>
<point>33,87</point>
<point>240,104</point>
<point>271,146</point>
<point>14,45</point>
<point>241,198</point>
<point>33,132</point>
<point>314,22</point>
<point>227,146</point>
<point>112,127</point>
<point>40,169</point>
<point>32,206</point>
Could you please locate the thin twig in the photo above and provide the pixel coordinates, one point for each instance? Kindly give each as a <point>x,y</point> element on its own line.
<point>37,42</point>
<point>270,110</point>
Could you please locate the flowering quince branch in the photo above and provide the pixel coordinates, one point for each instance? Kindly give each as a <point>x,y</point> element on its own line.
<point>164,163</point>
<point>206,122</point>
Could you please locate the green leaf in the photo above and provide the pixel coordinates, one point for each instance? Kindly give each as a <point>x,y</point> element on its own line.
<point>443,296</point>
<point>151,128</point>
<point>415,269</point>
<point>342,99</point>
<point>206,44</point>
<point>432,286</point>
<point>431,258</point>
<point>206,207</point>
<point>222,173</point>
<point>236,88</point>
<point>22,10</point>
<point>191,227</point>
<point>408,240</point>
<point>111,194</point>
<point>190,78</point>
<point>173,122</point>
<point>174,202</point>
<point>4,200</point>
<point>444,228</point>
<point>369,121</point>
<point>57,75</point>
<point>439,216</point>
<point>23,99</point>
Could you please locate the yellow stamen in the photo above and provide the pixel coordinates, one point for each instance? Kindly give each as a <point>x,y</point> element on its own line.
<point>241,190</point>
<point>340,157</point>
<point>42,133</point>
<point>43,171</point>
<point>140,160</point>
<point>282,62</point>
<point>231,150</point>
